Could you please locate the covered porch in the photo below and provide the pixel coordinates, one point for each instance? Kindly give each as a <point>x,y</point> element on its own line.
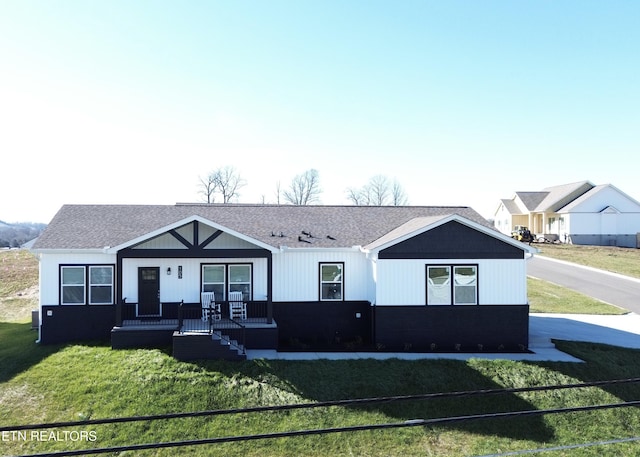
<point>186,330</point>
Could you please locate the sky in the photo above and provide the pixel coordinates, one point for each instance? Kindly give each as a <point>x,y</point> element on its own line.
<point>462,102</point>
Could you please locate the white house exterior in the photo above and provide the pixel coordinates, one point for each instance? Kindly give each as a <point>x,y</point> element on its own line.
<point>311,277</point>
<point>579,213</point>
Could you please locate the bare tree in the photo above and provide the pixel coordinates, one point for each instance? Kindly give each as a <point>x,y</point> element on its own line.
<point>225,181</point>
<point>379,191</point>
<point>398,195</point>
<point>208,188</point>
<point>278,192</point>
<point>304,188</point>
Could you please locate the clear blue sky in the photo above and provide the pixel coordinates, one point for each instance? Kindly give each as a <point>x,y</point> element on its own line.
<point>464,102</point>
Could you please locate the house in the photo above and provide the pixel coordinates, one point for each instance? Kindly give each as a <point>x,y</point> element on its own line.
<point>578,213</point>
<point>308,277</point>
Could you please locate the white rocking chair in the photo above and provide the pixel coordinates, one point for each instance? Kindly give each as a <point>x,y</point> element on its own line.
<point>209,306</point>
<point>237,308</point>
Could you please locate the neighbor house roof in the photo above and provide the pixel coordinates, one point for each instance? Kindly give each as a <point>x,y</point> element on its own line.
<point>99,226</point>
<point>559,196</point>
<point>548,199</point>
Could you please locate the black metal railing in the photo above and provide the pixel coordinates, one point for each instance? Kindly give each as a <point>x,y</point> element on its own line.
<point>216,320</point>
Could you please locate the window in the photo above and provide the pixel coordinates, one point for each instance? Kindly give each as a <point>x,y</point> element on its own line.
<point>213,280</point>
<point>72,285</point>
<point>465,285</point>
<point>101,285</point>
<point>224,278</point>
<point>439,285</point>
<point>82,284</point>
<point>331,281</point>
<point>240,280</point>
<point>445,288</point>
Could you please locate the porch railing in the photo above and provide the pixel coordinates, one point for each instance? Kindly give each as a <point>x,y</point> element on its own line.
<point>231,331</point>
<point>128,312</point>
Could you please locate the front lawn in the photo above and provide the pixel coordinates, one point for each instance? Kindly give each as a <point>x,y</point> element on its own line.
<point>77,382</point>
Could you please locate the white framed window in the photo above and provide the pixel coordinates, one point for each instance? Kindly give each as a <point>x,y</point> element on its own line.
<point>240,280</point>
<point>224,278</point>
<point>439,285</point>
<point>452,284</point>
<point>100,285</point>
<point>82,284</point>
<point>332,281</point>
<point>72,285</point>
<point>465,285</point>
<point>214,280</point>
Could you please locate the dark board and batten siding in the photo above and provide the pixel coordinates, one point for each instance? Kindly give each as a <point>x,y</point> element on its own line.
<point>452,240</point>
<point>451,328</point>
<point>66,323</point>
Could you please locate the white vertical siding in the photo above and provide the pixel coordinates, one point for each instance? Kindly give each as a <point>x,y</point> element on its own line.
<point>403,282</point>
<point>50,271</point>
<point>296,274</point>
<point>187,288</point>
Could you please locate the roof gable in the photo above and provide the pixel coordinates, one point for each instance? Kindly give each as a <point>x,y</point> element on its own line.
<point>164,232</point>
<point>449,236</point>
<point>600,197</point>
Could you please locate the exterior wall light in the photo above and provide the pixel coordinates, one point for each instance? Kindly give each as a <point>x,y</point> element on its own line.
<point>169,271</point>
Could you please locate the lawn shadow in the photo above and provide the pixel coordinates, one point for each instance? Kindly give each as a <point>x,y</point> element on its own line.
<point>19,350</point>
<point>603,362</point>
<point>328,380</point>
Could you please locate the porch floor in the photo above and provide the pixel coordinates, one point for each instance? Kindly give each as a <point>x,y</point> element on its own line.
<point>193,325</point>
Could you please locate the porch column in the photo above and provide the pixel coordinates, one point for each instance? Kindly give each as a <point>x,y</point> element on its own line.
<point>269,288</point>
<point>118,292</point>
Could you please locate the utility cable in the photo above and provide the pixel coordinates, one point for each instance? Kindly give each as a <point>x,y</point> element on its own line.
<point>324,431</point>
<point>325,404</point>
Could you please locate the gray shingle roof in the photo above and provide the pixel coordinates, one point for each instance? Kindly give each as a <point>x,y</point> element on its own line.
<point>97,226</point>
<point>531,200</point>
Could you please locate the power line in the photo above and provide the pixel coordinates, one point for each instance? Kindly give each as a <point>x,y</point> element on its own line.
<point>325,404</point>
<point>324,431</point>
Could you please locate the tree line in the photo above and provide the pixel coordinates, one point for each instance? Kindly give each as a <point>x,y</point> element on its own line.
<point>223,185</point>
<point>15,235</point>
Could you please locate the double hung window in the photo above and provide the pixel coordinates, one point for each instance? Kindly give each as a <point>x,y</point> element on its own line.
<point>72,285</point>
<point>100,285</point>
<point>331,281</point>
<point>224,278</point>
<point>452,284</point>
<point>81,284</point>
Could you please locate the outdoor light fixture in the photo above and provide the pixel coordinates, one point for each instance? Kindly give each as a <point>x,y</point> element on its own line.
<point>169,270</point>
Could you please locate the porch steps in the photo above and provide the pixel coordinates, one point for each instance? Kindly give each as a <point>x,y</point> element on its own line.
<point>226,341</point>
<point>195,346</point>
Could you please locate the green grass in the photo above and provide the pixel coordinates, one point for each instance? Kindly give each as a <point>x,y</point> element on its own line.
<point>545,297</point>
<point>92,381</point>
<point>625,261</point>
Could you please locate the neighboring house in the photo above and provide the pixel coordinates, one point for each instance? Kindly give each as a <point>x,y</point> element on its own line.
<point>578,213</point>
<point>309,277</point>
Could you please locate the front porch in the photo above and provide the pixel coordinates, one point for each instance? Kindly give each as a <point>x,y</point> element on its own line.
<point>188,328</point>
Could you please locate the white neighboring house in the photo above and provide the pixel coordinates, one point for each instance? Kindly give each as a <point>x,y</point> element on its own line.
<point>578,213</point>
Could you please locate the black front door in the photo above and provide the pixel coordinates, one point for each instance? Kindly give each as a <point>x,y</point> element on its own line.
<point>149,291</point>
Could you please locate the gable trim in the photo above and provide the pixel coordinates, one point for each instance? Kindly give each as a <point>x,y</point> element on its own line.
<point>171,229</point>
<point>404,235</point>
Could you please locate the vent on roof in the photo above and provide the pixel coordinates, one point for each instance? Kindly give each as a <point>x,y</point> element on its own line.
<point>308,234</point>
<point>303,240</point>
<point>331,237</point>
<point>280,235</point>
